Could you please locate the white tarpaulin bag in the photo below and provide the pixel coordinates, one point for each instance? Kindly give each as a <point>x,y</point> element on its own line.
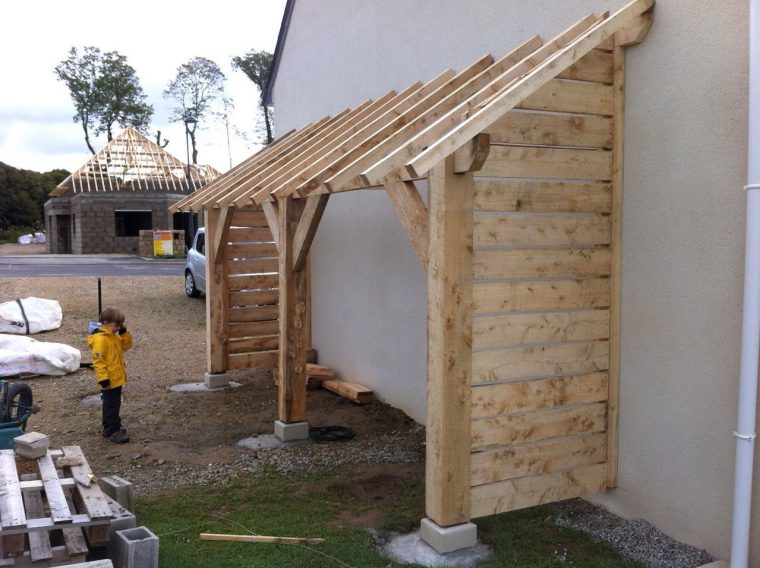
<point>30,315</point>
<point>27,355</point>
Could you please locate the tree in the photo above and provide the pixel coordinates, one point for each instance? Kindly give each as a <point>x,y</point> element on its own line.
<point>105,91</point>
<point>256,65</point>
<point>195,88</point>
<point>23,194</point>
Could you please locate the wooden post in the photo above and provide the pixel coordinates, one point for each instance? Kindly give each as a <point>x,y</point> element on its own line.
<point>449,345</point>
<point>216,297</point>
<point>293,317</point>
<point>616,218</point>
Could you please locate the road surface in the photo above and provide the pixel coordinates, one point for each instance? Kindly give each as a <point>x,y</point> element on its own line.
<point>81,265</point>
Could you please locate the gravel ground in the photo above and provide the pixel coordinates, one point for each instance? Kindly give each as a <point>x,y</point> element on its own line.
<point>636,538</point>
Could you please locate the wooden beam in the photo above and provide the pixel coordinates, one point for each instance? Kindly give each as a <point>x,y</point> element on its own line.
<point>616,218</point>
<point>293,307</point>
<point>271,211</point>
<point>216,299</point>
<point>635,32</point>
<point>413,214</point>
<point>307,228</point>
<point>520,89</point>
<point>447,472</point>
<point>472,156</point>
<point>220,236</point>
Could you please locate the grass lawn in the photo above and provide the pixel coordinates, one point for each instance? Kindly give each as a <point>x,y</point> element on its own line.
<point>320,505</point>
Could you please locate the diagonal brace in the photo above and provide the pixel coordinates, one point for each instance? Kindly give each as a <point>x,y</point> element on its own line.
<point>307,228</point>
<point>412,213</point>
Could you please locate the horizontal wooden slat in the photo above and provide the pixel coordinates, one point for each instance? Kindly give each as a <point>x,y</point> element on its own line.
<point>240,251</point>
<point>253,282</point>
<point>249,344</point>
<point>253,329</point>
<point>559,95</point>
<point>535,458</point>
<point>552,327</point>
<point>529,263</point>
<point>529,229</point>
<point>253,298</point>
<point>596,65</point>
<point>261,359</point>
<point>249,217</point>
<point>252,266</point>
<point>249,234</point>
<point>497,400</point>
<point>540,295</point>
<point>539,361</point>
<point>526,127</point>
<point>524,492</point>
<point>538,425</point>
<point>542,197</point>
<point>547,163</point>
<point>251,314</point>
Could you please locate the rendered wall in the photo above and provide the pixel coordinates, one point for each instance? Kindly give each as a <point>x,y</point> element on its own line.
<point>683,224</point>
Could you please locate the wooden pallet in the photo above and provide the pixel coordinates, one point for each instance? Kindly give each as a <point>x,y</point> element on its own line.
<point>48,514</point>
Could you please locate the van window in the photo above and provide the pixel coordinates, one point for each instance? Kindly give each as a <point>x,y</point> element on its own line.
<point>200,243</point>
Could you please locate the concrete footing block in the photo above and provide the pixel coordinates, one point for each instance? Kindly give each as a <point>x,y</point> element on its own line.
<point>31,445</point>
<point>448,539</point>
<point>216,380</point>
<point>291,431</point>
<point>120,490</point>
<point>134,548</point>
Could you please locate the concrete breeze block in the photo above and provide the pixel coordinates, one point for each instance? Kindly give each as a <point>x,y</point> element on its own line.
<point>31,445</point>
<point>120,490</point>
<point>134,548</point>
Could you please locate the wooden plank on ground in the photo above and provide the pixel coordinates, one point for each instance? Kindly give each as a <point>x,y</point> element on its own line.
<point>507,398</point>
<point>542,229</point>
<point>535,458</point>
<point>352,391</point>
<point>259,359</point>
<point>538,425</point>
<point>548,163</point>
<point>546,327</point>
<point>253,329</point>
<point>596,65</point>
<point>538,128</point>
<point>319,371</point>
<point>540,361</point>
<point>524,492</point>
<point>542,197</point>
<point>59,508</point>
<point>559,95</point>
<point>529,263</point>
<point>540,295</point>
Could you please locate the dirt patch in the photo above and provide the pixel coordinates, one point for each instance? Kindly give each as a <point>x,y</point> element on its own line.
<point>167,428</point>
<point>15,249</point>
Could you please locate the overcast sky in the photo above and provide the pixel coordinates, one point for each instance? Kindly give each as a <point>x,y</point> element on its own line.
<point>156,36</point>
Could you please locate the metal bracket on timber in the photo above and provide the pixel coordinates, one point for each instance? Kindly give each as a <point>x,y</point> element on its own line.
<point>307,228</point>
<point>635,32</point>
<point>220,235</point>
<point>412,213</point>
<point>472,156</point>
<point>271,212</point>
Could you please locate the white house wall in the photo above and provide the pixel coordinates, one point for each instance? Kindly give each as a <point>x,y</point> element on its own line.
<point>685,165</point>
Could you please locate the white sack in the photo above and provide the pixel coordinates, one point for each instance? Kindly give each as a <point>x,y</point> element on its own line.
<point>39,238</point>
<point>25,239</point>
<point>27,355</point>
<point>42,315</point>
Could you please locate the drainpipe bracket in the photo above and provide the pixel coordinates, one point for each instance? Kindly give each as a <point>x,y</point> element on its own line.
<point>749,437</point>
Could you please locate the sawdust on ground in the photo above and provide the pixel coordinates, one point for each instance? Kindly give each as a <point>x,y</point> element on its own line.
<point>166,428</point>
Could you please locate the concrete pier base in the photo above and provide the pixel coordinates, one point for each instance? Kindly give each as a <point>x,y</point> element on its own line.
<point>292,431</point>
<point>448,539</point>
<point>216,380</point>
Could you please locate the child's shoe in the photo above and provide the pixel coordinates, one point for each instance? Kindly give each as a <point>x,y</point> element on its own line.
<point>120,437</point>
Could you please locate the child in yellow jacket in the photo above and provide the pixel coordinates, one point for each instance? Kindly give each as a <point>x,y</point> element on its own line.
<point>108,343</point>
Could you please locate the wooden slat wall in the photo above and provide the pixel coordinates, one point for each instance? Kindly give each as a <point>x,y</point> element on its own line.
<point>252,284</point>
<point>541,296</point>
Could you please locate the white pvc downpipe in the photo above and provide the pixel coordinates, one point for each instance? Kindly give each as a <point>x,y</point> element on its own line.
<point>745,429</point>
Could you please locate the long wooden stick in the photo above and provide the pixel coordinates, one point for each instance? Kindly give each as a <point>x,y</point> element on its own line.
<point>261,539</point>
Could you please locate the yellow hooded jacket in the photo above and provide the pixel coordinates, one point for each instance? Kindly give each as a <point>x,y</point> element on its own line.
<point>108,356</point>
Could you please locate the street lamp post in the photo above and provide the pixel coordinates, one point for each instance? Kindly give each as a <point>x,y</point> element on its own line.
<point>189,119</point>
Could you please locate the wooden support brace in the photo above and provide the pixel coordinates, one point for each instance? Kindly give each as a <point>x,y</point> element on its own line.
<point>307,228</point>
<point>413,214</point>
<point>271,212</point>
<point>472,156</point>
<point>447,469</point>
<point>635,32</point>
<point>220,238</point>
<point>294,311</point>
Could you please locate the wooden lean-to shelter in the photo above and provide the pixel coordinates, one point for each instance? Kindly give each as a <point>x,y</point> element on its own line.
<point>520,240</point>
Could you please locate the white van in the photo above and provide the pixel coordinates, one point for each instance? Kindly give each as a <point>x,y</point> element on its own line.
<point>195,266</point>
